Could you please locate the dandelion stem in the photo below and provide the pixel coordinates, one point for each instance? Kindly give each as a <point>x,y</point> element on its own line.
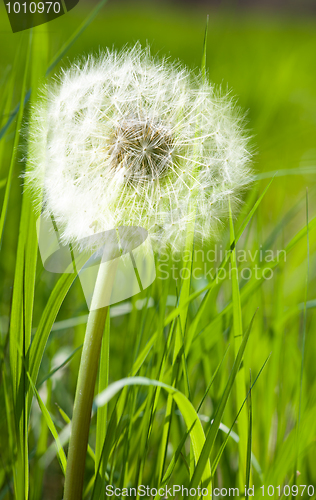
<point>86,384</point>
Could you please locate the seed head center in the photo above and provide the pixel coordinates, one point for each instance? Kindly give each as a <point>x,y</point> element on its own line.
<point>143,149</point>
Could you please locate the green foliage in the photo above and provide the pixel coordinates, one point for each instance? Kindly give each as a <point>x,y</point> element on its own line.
<point>176,405</point>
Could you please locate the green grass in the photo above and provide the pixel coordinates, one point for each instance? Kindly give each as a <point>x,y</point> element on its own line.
<point>181,354</point>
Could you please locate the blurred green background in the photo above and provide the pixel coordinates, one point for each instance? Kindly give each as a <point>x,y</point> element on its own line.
<point>266,58</point>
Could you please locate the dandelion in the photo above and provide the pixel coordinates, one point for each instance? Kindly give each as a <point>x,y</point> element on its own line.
<point>123,139</point>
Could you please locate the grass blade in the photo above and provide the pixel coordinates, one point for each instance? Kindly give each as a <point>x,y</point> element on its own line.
<point>203,63</point>
<point>19,332</point>
<point>237,339</point>
<point>50,424</point>
<point>249,445</point>
<point>46,322</point>
<point>15,143</point>
<point>303,352</point>
<point>100,465</point>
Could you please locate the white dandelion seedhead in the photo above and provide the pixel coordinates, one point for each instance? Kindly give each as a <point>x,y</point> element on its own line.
<point>125,139</point>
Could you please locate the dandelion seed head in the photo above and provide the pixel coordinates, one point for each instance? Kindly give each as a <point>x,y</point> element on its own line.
<point>126,139</point>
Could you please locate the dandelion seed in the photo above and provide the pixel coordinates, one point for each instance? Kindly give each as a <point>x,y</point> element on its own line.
<point>125,139</point>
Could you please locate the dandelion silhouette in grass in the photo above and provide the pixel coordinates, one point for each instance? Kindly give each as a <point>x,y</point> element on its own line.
<point>123,139</point>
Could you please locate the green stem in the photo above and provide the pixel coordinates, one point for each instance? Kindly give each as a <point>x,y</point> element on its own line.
<point>85,386</point>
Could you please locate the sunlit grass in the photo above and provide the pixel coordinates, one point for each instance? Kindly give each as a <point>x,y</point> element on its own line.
<point>180,334</point>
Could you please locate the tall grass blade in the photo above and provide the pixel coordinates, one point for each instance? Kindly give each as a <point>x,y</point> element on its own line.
<point>16,142</point>
<point>36,486</point>
<point>50,424</point>
<point>48,317</point>
<point>100,466</point>
<point>19,331</point>
<point>249,445</point>
<point>203,63</point>
<point>237,339</point>
<point>7,96</point>
<point>298,424</point>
